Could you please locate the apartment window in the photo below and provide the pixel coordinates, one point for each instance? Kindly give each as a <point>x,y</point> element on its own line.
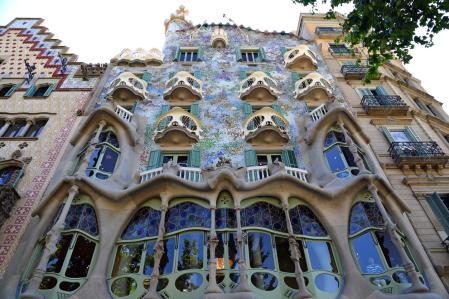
<point>432,110</point>
<point>439,202</point>
<point>36,129</point>
<point>15,129</point>
<point>341,49</point>
<point>400,134</point>
<point>250,55</point>
<point>184,159</point>
<point>377,91</point>
<point>253,158</point>
<point>7,90</point>
<point>188,54</point>
<point>180,159</point>
<point>43,90</point>
<point>10,175</point>
<point>265,159</point>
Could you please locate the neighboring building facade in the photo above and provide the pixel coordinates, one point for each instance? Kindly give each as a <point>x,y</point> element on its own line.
<point>240,164</point>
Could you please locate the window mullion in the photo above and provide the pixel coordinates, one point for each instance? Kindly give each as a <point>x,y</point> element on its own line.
<point>68,256</point>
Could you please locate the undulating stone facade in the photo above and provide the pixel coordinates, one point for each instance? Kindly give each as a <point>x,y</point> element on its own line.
<point>236,163</point>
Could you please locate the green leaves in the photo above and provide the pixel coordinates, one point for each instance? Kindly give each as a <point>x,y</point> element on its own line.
<point>389,29</point>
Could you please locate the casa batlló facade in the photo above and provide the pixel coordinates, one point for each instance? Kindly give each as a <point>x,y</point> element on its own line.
<point>237,163</point>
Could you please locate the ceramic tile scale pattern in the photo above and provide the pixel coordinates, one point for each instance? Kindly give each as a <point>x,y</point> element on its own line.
<point>324,199</point>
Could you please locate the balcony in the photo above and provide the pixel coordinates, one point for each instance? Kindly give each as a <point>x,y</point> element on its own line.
<point>184,88</point>
<point>259,173</point>
<point>354,72</point>
<point>384,105</point>
<point>265,127</point>
<point>191,174</point>
<point>123,113</point>
<point>139,57</point>
<point>328,32</point>
<point>258,87</point>
<point>8,199</point>
<point>340,50</point>
<point>177,127</point>
<point>300,58</point>
<point>314,87</point>
<point>318,113</point>
<point>127,88</point>
<point>219,38</point>
<point>422,153</point>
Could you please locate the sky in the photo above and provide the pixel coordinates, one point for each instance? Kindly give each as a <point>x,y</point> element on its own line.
<point>97,30</point>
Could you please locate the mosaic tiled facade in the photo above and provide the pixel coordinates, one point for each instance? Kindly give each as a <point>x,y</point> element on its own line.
<point>234,163</point>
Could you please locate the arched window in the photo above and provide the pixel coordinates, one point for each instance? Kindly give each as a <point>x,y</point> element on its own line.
<point>68,267</point>
<point>104,158</point>
<point>134,254</point>
<point>376,255</point>
<point>339,157</point>
<point>10,176</point>
<point>318,263</point>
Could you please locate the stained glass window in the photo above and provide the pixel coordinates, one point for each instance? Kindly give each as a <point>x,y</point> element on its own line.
<point>260,250</point>
<point>262,214</point>
<point>144,224</point>
<point>363,215</point>
<point>186,215</point>
<point>82,217</point>
<point>225,218</point>
<point>305,222</point>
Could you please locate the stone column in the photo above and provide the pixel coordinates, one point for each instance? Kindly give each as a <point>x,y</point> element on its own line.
<point>51,241</point>
<point>390,228</point>
<point>295,255</point>
<point>23,131</point>
<point>241,239</point>
<point>6,126</point>
<point>353,148</point>
<point>212,287</point>
<point>159,253</point>
<point>84,162</point>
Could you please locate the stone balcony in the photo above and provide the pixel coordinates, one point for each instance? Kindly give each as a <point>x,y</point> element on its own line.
<point>384,105</point>
<point>300,58</point>
<point>219,38</point>
<point>259,173</point>
<point>259,87</point>
<point>177,127</point>
<point>265,127</point>
<point>139,57</point>
<point>313,87</point>
<point>328,32</point>
<point>354,72</point>
<point>421,154</point>
<point>127,87</point>
<point>8,199</point>
<point>183,87</point>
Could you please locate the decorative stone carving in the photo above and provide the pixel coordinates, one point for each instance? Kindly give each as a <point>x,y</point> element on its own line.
<point>258,87</point>
<point>313,86</point>
<point>139,57</point>
<point>16,154</point>
<point>265,126</point>
<point>90,70</point>
<point>183,87</point>
<point>127,87</point>
<point>300,58</point>
<point>219,38</point>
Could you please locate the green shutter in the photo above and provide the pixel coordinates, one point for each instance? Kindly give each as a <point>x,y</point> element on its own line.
<point>171,75</point>
<point>164,109</point>
<point>289,158</point>
<point>133,109</point>
<point>432,109</point>
<point>411,134</point>
<point>365,91</point>
<point>242,74</point>
<point>277,108</point>
<point>200,54</point>
<point>250,158</point>
<point>420,105</point>
<point>380,90</point>
<point>195,158</point>
<point>19,176</point>
<point>30,91</point>
<point>195,110</point>
<point>262,56</point>
<point>283,50</point>
<point>146,77</point>
<point>238,54</point>
<point>247,109</point>
<point>154,160</point>
<point>177,54</point>
<point>198,74</point>
<point>11,90</point>
<point>440,210</point>
<point>50,89</point>
<point>387,134</point>
<point>295,77</point>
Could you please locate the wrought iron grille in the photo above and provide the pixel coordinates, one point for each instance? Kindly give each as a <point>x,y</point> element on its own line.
<point>354,70</point>
<point>382,100</point>
<point>421,149</point>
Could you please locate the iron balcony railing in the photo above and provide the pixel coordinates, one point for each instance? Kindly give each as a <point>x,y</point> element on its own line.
<point>421,149</point>
<point>339,49</point>
<point>354,70</point>
<point>381,100</point>
<point>328,30</point>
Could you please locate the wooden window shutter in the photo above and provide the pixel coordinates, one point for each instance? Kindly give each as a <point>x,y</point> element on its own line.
<point>250,158</point>
<point>247,111</point>
<point>411,134</point>
<point>195,110</point>
<point>242,74</point>
<point>440,210</point>
<point>30,91</point>
<point>195,158</point>
<point>133,109</point>
<point>177,54</point>
<point>262,56</point>
<point>146,77</point>
<point>50,88</point>
<point>171,75</point>
<point>295,77</point>
<point>381,90</point>
<point>155,159</point>
<point>164,109</point>
<point>200,54</point>
<point>387,134</point>
<point>283,50</point>
<point>289,158</point>
<point>11,90</point>
<point>238,54</point>
<point>198,74</point>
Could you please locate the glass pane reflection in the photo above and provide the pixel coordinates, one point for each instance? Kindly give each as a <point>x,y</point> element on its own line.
<point>260,250</point>
<point>320,254</point>
<point>127,259</point>
<point>190,252</point>
<point>82,254</point>
<point>167,260</point>
<point>367,255</point>
<point>264,281</point>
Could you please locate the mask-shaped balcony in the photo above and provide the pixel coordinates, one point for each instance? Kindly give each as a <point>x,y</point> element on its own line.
<point>127,88</point>
<point>300,58</point>
<point>258,87</point>
<point>139,57</point>
<point>313,87</point>
<point>177,127</point>
<point>219,38</point>
<point>265,127</point>
<point>183,87</point>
